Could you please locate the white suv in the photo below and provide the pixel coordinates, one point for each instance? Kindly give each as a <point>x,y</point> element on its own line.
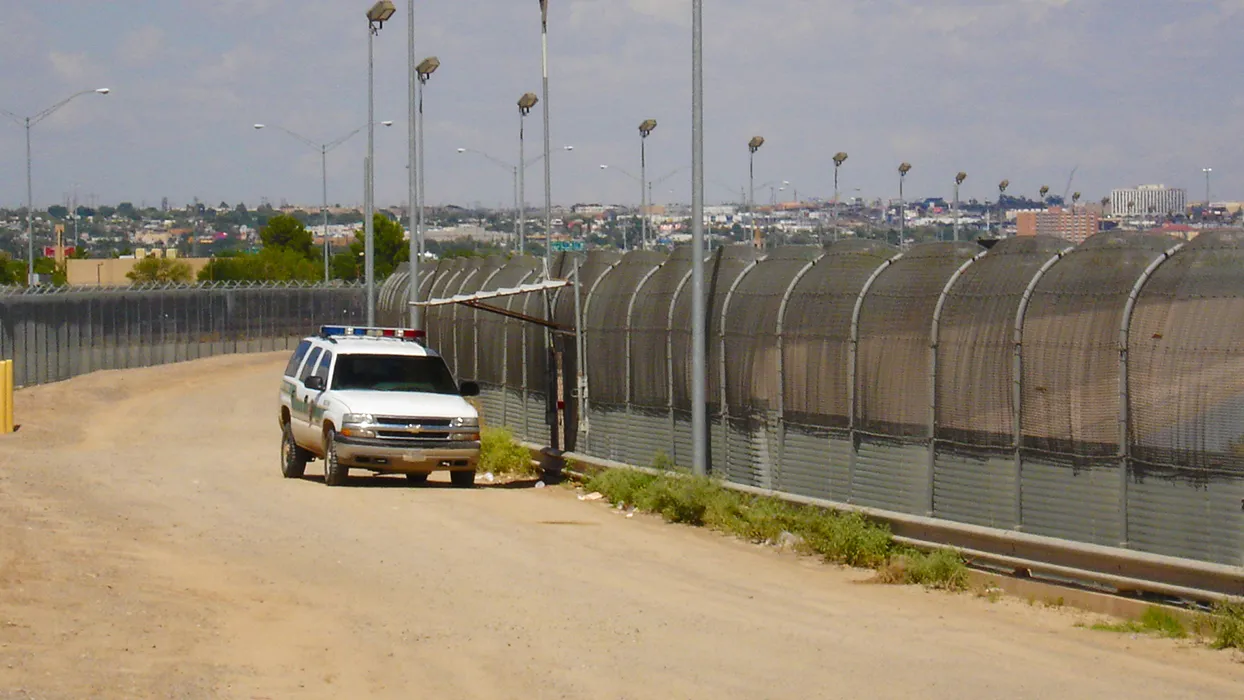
<point>376,399</point>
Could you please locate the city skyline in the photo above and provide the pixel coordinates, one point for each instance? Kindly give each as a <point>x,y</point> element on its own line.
<point>1027,92</point>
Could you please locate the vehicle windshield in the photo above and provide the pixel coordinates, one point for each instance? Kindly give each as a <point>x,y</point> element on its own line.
<point>393,373</point>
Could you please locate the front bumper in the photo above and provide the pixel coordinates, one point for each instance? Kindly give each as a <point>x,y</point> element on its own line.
<point>377,455</point>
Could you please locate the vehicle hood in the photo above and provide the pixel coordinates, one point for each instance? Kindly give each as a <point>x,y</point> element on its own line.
<point>404,404</point>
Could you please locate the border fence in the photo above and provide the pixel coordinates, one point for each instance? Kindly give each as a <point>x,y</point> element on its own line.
<point>1091,393</point>
<point>55,333</point>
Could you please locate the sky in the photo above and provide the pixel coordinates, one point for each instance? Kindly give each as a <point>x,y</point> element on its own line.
<point>1126,92</point>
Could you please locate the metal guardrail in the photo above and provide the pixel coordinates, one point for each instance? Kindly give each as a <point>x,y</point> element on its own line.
<point>1120,570</point>
<point>51,290</point>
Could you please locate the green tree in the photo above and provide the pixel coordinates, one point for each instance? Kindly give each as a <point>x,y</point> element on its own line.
<point>11,271</point>
<point>161,271</point>
<point>57,211</point>
<point>288,233</point>
<point>391,249</point>
<point>268,265</point>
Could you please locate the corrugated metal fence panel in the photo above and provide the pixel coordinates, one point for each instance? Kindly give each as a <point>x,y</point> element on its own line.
<point>682,454</point>
<point>491,401</point>
<point>648,434</point>
<point>1174,516</point>
<point>747,451</point>
<point>1073,501</point>
<point>536,425</point>
<point>891,474</point>
<point>815,463</point>
<point>974,486</point>
<point>513,413</point>
<point>608,430</point>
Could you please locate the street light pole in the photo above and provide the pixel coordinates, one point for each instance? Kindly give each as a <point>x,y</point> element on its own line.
<point>548,161</point>
<point>959,178</point>
<point>699,357</point>
<point>424,70</point>
<point>1001,192</point>
<point>903,169</point>
<point>413,153</point>
<point>28,123</point>
<point>645,128</point>
<point>525,103</point>
<point>752,146</point>
<point>376,17</point>
<point>839,159</point>
<point>1205,211</point>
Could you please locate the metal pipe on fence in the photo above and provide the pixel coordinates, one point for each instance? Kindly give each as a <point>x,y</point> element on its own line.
<point>853,351</point>
<point>6,397</point>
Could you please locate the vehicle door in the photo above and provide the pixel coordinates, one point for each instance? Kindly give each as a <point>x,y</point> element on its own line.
<point>300,409</point>
<point>319,400</point>
<point>289,380</point>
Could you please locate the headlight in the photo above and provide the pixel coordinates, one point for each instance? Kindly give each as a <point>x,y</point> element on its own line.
<point>464,423</point>
<point>358,418</point>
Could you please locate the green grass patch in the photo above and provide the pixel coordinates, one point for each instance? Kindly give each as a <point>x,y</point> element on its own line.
<point>1155,621</point>
<point>1227,622</point>
<point>842,538</point>
<point>502,456</point>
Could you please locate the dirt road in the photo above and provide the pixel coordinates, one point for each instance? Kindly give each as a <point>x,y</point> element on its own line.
<point>149,548</point>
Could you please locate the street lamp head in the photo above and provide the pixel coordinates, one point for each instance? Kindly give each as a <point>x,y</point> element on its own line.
<point>104,91</point>
<point>646,127</point>
<point>904,168</point>
<point>462,150</point>
<point>386,123</point>
<point>839,158</point>
<point>755,144</point>
<point>380,13</point>
<point>604,167</point>
<point>526,102</point>
<point>259,126</point>
<point>567,148</point>
<point>960,177</point>
<point>1003,185</point>
<point>427,67</point>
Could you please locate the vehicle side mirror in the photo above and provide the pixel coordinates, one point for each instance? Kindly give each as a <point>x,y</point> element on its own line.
<point>315,383</point>
<point>469,389</point>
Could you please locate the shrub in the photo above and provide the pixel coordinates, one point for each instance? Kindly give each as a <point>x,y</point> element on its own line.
<point>501,455</point>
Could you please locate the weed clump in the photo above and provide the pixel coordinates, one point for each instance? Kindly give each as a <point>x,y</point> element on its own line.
<point>841,538</point>
<point>1228,625</point>
<point>501,455</point>
<point>1155,621</point>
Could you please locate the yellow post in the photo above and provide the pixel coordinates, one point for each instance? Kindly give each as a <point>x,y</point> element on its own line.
<point>6,397</point>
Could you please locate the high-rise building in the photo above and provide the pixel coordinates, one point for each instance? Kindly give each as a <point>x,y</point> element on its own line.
<point>1156,200</point>
<point>1073,226</point>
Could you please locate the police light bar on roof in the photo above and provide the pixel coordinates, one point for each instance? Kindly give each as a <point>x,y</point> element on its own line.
<point>365,332</point>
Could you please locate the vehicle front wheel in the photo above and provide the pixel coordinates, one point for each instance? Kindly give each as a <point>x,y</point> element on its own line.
<point>334,473</point>
<point>462,480</point>
<point>293,458</point>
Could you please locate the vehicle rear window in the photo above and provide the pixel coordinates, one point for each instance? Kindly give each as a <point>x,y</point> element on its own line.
<point>309,368</point>
<point>295,360</point>
<point>393,373</point>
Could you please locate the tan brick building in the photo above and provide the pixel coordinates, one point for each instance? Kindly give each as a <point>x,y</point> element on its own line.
<point>1073,226</point>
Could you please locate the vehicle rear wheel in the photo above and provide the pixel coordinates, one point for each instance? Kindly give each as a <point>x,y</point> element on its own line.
<point>293,458</point>
<point>462,480</point>
<point>334,473</point>
<point>417,477</point>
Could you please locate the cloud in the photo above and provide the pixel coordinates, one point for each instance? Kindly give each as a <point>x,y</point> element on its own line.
<point>142,45</point>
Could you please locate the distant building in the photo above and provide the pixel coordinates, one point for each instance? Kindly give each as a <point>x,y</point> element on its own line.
<point>1073,226</point>
<point>1148,199</point>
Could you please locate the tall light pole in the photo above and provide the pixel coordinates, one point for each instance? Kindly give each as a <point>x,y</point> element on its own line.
<point>752,146</point>
<point>699,357</point>
<point>376,17</point>
<point>959,178</point>
<point>1001,192</point>
<point>1205,211</point>
<point>413,151</point>
<point>324,149</point>
<point>645,128</point>
<point>839,158</point>
<point>525,103</point>
<point>29,123</point>
<point>903,169</point>
<point>513,170</point>
<point>548,161</point>
<point>423,71</point>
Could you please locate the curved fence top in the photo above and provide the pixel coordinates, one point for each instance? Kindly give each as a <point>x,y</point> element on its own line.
<point>594,264</point>
<point>749,329</point>
<point>650,324</point>
<point>492,329</point>
<point>1070,398</point>
<point>895,322</point>
<point>976,342</point>
<point>1186,348</point>
<point>816,332</point>
<point>605,321</point>
<point>726,265</point>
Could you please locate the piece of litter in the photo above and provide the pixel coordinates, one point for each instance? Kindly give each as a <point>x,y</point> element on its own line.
<point>539,484</point>
<point>488,476</point>
<point>593,496</point>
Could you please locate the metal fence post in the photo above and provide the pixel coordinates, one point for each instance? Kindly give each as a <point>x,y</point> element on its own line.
<point>1125,437</point>
<point>853,352</point>
<point>934,335</point>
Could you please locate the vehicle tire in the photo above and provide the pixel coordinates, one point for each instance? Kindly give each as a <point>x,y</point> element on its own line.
<point>417,477</point>
<point>293,458</point>
<point>334,473</point>
<point>462,480</point>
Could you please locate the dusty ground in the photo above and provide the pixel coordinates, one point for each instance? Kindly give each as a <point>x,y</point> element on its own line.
<point>149,548</point>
